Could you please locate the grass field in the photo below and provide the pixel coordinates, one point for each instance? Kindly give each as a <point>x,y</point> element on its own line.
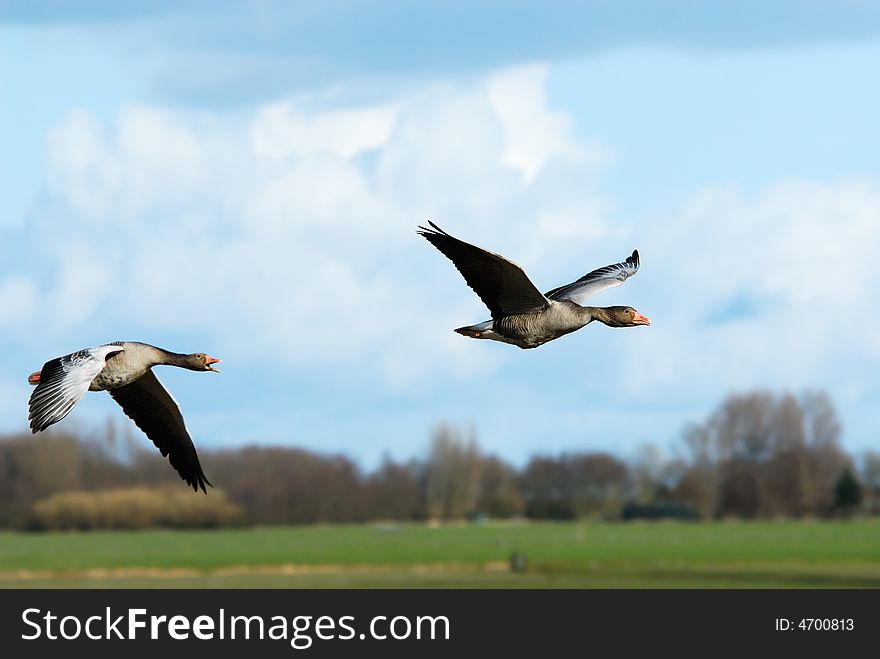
<point>577,555</point>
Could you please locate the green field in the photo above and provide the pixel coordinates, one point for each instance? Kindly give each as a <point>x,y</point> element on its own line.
<point>578,555</point>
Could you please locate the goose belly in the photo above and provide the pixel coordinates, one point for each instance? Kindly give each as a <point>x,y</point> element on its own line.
<point>531,330</point>
<point>116,373</point>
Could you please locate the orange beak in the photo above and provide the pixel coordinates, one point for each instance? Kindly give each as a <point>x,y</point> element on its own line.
<point>212,360</point>
<point>639,319</point>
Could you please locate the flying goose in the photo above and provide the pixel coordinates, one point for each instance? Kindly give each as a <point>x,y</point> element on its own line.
<point>521,314</point>
<point>124,369</point>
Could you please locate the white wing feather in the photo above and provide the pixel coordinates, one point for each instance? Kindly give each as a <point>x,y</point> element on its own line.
<point>63,382</point>
<point>597,280</point>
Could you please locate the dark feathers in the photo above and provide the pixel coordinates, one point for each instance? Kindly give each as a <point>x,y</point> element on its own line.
<point>151,407</point>
<point>501,284</point>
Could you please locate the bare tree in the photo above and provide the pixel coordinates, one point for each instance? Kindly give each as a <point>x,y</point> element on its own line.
<point>596,483</point>
<point>395,491</point>
<point>499,493</point>
<point>761,454</point>
<point>870,475</point>
<point>452,475</point>
<point>544,487</point>
<point>649,474</point>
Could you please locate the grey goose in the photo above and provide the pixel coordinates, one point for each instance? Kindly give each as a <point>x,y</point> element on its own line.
<point>124,369</point>
<point>521,314</point>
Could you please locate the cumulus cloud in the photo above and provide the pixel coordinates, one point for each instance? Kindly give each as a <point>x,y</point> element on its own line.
<point>285,235</point>
<point>533,134</point>
<point>282,130</point>
<point>288,231</point>
<point>772,289</point>
<point>294,226</point>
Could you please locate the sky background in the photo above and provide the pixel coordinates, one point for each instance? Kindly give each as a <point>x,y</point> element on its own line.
<point>245,178</point>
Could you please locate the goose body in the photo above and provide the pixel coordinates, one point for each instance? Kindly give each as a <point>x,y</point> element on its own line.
<point>521,314</point>
<point>124,369</point>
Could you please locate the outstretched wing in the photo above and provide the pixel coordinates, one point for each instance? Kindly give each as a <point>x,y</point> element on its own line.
<point>501,284</point>
<point>597,280</point>
<point>63,381</point>
<point>155,412</point>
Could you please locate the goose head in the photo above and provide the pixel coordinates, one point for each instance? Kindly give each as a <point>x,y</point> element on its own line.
<point>625,317</point>
<point>199,361</point>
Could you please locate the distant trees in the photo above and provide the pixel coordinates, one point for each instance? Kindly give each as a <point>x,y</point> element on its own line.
<point>32,468</point>
<point>758,455</point>
<point>544,490</point>
<point>461,482</point>
<point>870,475</point>
<point>764,455</point>
<point>452,475</point>
<point>499,493</point>
<point>847,492</point>
<point>395,491</point>
<point>278,485</point>
<point>574,485</point>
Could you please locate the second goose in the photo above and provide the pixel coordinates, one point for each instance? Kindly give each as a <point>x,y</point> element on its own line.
<point>521,314</point>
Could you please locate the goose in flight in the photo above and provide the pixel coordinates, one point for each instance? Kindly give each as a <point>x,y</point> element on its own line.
<point>521,314</point>
<point>124,369</point>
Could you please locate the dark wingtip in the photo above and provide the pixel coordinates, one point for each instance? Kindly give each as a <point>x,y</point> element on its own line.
<point>195,484</point>
<point>634,258</point>
<point>201,481</point>
<point>36,426</point>
<point>434,230</point>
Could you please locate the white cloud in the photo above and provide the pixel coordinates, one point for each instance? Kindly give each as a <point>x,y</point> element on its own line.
<point>285,235</point>
<point>289,232</point>
<point>269,232</point>
<point>532,133</point>
<point>283,238</point>
<point>18,300</point>
<point>798,257</point>
<point>82,170</point>
<point>282,130</point>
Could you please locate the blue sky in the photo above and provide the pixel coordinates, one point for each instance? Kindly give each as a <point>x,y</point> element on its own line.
<point>244,179</point>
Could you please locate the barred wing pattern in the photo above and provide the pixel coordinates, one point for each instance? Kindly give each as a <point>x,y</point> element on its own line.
<point>63,382</point>
<point>597,280</point>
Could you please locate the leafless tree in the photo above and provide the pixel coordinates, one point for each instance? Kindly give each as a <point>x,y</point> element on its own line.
<point>395,491</point>
<point>499,493</point>
<point>870,476</point>
<point>452,475</point>
<point>767,455</point>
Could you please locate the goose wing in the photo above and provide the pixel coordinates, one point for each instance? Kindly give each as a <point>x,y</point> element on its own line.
<point>597,280</point>
<point>501,284</point>
<point>146,402</point>
<point>63,381</point>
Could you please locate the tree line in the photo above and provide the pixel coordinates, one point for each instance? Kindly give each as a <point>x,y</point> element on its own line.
<point>758,455</point>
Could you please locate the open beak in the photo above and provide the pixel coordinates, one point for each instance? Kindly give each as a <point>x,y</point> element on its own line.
<point>212,360</point>
<point>639,319</point>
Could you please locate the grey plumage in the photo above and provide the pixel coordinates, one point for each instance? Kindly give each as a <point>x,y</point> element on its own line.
<point>521,314</point>
<point>123,368</point>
